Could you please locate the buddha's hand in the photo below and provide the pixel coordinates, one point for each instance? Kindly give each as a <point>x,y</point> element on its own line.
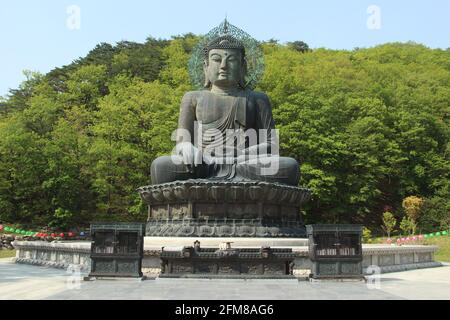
<point>190,155</point>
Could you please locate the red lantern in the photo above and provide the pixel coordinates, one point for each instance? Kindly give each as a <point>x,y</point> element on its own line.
<point>61,235</point>
<point>53,235</point>
<point>71,234</point>
<point>1,227</point>
<point>45,235</point>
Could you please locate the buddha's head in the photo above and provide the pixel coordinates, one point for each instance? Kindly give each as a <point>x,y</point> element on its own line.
<point>225,64</point>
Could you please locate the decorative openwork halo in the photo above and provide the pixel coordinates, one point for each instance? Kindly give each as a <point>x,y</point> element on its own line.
<point>254,55</point>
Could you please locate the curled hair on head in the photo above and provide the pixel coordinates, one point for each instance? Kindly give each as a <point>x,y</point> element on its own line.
<point>224,42</point>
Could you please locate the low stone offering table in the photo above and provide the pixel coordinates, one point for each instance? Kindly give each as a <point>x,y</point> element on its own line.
<point>208,208</point>
<point>196,262</point>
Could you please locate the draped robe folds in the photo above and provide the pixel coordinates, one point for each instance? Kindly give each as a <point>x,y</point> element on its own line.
<point>216,116</point>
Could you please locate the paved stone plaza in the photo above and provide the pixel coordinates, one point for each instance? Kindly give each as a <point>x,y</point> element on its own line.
<point>32,282</point>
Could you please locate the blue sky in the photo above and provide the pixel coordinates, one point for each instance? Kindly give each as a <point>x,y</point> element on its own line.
<point>34,34</point>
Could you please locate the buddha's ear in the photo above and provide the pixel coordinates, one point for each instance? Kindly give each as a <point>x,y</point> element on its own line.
<point>207,83</point>
<point>244,71</point>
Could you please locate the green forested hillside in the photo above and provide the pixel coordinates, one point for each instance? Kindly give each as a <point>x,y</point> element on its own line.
<point>369,127</point>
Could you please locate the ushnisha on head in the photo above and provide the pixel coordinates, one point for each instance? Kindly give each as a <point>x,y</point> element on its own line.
<point>225,64</point>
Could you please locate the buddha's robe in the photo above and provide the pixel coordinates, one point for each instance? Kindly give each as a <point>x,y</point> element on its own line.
<point>217,116</point>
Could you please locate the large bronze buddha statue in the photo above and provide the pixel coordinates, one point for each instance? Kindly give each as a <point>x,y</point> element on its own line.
<point>226,131</point>
<point>225,177</point>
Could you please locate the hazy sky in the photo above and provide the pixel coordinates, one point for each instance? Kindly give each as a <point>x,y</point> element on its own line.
<point>42,34</point>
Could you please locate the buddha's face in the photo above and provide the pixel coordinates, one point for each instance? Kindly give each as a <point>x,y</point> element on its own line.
<point>224,67</point>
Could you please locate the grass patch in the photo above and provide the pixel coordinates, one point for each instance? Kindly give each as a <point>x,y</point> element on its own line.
<point>443,242</point>
<point>443,253</point>
<point>7,254</point>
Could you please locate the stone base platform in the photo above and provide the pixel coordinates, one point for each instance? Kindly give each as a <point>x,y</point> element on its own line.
<point>388,258</point>
<point>216,208</point>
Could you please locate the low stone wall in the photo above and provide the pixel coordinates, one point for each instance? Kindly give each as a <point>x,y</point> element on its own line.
<point>399,258</point>
<point>56,254</point>
<point>389,258</point>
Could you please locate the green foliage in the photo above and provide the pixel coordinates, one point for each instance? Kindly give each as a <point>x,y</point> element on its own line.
<point>408,226</point>
<point>299,46</point>
<point>132,127</point>
<point>366,235</point>
<point>389,223</point>
<point>435,212</point>
<point>369,128</point>
<point>412,207</point>
<point>62,219</point>
<point>356,121</point>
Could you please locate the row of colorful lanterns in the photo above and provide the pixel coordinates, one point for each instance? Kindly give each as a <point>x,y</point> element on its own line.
<point>419,238</point>
<point>39,234</point>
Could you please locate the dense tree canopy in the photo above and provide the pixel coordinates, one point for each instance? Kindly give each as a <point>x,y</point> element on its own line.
<point>370,127</point>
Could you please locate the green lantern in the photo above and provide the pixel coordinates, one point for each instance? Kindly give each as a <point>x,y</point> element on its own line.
<point>445,233</point>
<point>17,231</point>
<point>425,236</point>
<point>7,229</point>
<point>438,234</point>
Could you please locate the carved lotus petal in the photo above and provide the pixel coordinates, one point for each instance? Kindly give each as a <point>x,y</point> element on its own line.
<point>226,231</point>
<point>146,196</point>
<point>197,192</point>
<point>273,194</point>
<point>285,195</point>
<point>181,192</point>
<point>217,193</point>
<point>169,194</point>
<point>294,197</point>
<point>206,230</point>
<point>235,193</point>
<point>255,193</point>
<point>158,195</point>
